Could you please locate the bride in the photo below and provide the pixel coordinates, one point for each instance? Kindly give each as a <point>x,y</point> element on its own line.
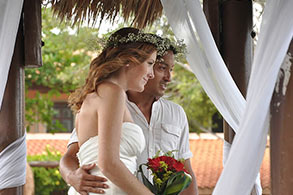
<point>106,133</point>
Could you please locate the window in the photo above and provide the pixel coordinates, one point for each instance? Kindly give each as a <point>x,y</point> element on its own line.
<point>64,115</point>
<point>217,123</point>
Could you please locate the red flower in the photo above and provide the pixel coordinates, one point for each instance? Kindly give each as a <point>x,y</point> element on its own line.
<point>168,160</point>
<point>179,166</point>
<point>154,163</point>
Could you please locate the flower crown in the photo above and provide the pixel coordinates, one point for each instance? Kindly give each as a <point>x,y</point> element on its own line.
<point>162,44</point>
<point>178,47</point>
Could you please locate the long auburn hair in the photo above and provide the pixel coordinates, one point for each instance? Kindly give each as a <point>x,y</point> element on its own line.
<point>110,61</point>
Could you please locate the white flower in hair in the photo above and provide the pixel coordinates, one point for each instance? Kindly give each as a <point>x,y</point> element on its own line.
<point>162,44</point>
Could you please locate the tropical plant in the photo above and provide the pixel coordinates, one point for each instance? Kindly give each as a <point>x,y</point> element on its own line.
<point>66,56</point>
<point>48,180</point>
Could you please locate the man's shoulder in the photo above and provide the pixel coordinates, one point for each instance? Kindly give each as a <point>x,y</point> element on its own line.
<point>170,103</point>
<point>173,114</point>
<point>173,107</point>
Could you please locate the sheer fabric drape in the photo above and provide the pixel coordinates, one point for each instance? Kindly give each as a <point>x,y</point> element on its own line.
<point>13,164</point>
<point>204,58</point>
<point>250,119</point>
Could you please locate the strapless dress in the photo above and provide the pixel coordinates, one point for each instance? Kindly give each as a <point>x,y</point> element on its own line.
<point>132,143</point>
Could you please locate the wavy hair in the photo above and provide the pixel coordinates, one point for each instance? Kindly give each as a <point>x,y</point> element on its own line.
<point>110,61</point>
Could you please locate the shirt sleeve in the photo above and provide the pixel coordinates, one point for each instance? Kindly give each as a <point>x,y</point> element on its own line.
<point>73,138</point>
<point>184,149</point>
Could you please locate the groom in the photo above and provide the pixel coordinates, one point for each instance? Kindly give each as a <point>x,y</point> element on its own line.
<point>164,125</point>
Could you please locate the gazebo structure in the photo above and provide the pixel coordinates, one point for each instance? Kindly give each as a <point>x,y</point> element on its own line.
<point>230,22</point>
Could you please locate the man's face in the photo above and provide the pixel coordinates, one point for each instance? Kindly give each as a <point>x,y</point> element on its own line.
<point>162,72</point>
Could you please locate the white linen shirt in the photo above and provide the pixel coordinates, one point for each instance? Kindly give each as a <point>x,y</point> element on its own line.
<point>168,130</point>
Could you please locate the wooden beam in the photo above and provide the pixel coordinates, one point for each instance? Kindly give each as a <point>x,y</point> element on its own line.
<point>12,112</point>
<point>32,22</point>
<point>236,46</point>
<point>231,26</point>
<point>46,164</point>
<point>27,52</point>
<point>281,135</point>
<point>212,12</point>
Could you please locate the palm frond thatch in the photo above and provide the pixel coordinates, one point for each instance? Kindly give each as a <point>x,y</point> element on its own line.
<point>142,12</point>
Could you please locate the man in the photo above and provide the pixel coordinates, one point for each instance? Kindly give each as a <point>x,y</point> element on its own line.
<point>164,124</point>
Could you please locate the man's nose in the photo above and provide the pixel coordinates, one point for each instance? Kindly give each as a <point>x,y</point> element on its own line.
<point>167,76</point>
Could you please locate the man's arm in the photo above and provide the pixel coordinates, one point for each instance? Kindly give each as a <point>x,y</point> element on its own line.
<point>79,177</point>
<point>192,188</point>
<point>185,151</point>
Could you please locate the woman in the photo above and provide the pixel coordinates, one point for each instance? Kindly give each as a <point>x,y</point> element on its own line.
<point>106,133</point>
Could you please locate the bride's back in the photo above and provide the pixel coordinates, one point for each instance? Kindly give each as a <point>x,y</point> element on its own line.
<point>87,118</point>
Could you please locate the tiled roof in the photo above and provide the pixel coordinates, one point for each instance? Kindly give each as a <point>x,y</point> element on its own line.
<point>38,146</point>
<point>206,161</point>
<point>37,142</point>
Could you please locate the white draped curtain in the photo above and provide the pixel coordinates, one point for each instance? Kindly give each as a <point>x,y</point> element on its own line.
<point>250,118</point>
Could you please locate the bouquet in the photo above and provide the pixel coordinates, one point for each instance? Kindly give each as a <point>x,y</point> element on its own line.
<point>169,174</point>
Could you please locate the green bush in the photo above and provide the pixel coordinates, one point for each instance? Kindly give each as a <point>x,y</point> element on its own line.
<point>48,180</point>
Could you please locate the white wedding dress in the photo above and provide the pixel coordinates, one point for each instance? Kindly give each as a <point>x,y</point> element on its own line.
<point>132,144</point>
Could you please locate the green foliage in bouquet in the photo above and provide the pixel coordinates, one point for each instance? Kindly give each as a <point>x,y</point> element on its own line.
<point>169,174</point>
<point>48,180</point>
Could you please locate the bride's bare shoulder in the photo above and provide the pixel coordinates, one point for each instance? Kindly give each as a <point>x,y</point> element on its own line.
<point>110,90</point>
<point>106,92</point>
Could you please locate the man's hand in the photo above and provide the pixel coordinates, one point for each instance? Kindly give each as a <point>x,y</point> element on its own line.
<point>192,189</point>
<point>84,182</point>
<point>79,177</point>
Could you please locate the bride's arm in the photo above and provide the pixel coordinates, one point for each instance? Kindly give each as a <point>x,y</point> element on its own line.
<point>110,118</point>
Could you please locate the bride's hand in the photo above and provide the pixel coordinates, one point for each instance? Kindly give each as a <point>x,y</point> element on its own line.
<point>84,182</point>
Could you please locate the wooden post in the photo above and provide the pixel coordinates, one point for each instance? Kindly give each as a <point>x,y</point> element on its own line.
<point>231,26</point>
<point>237,46</point>
<point>27,52</point>
<point>212,12</point>
<point>12,112</point>
<point>32,33</point>
<point>281,134</point>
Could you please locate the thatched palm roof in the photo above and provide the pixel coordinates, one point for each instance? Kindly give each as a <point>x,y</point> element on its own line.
<point>141,12</point>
